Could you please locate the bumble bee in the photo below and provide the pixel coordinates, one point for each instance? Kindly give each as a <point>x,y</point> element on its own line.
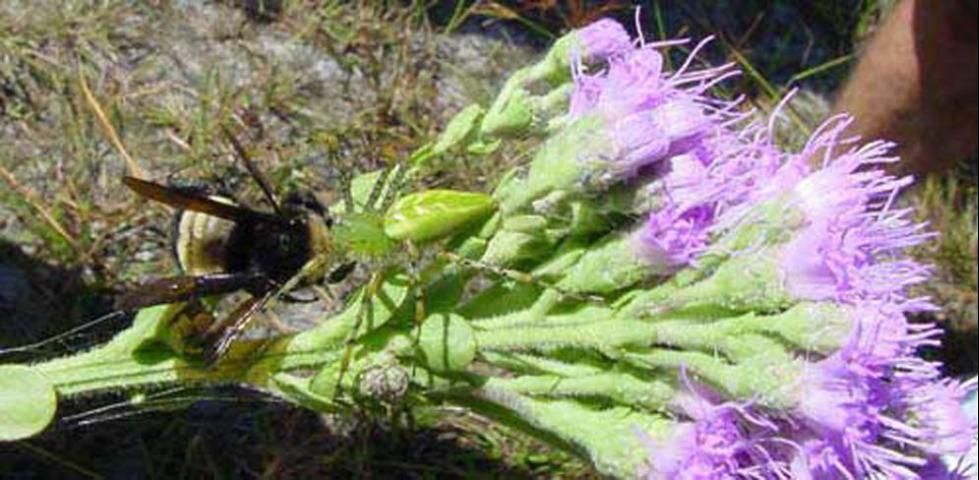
<point>222,246</point>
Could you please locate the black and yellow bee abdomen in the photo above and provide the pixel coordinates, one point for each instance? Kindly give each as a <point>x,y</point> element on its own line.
<point>202,243</point>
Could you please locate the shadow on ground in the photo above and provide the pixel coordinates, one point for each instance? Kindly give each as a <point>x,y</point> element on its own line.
<point>248,438</point>
<point>39,300</point>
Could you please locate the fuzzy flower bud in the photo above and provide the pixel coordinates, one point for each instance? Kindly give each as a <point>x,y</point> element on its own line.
<point>516,110</point>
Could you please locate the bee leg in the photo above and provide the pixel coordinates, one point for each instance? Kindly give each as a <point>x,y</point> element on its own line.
<point>363,311</point>
<point>324,293</point>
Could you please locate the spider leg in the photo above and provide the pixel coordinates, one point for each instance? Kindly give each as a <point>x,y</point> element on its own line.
<point>346,183</point>
<point>418,286</point>
<point>395,186</point>
<point>363,311</point>
<point>522,277</point>
<point>376,190</point>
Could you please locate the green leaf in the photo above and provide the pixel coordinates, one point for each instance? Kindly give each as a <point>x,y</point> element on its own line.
<point>447,343</point>
<point>607,436</point>
<point>435,214</point>
<point>362,234</point>
<point>501,299</point>
<point>28,402</point>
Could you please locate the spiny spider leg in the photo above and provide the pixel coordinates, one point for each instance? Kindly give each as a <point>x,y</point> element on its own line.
<point>346,180</point>
<point>314,264</point>
<point>418,285</point>
<point>395,186</point>
<point>363,310</point>
<point>376,190</point>
<point>518,276</point>
<point>324,293</point>
<point>415,278</point>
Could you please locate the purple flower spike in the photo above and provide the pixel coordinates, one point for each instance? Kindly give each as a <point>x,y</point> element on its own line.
<point>717,175</point>
<point>843,426</point>
<point>939,470</point>
<point>636,141</point>
<point>632,83</point>
<point>602,39</point>
<point>708,448</point>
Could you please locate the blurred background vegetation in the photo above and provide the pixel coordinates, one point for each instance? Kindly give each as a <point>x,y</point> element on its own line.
<point>91,90</point>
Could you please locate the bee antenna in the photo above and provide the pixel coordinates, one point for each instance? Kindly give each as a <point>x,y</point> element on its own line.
<point>258,176</point>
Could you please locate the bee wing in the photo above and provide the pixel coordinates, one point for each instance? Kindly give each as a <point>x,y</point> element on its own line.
<point>186,201</point>
<point>183,288</point>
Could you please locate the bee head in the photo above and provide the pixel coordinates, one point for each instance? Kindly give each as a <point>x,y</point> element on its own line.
<point>303,204</point>
<point>310,217</point>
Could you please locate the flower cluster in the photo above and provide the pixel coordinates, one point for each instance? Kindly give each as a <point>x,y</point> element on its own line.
<point>823,225</point>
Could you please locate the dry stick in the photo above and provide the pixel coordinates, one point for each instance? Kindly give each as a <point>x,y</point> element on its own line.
<point>32,200</point>
<point>107,128</point>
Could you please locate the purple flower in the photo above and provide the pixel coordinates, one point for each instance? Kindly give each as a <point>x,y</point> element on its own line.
<point>939,470</point>
<point>855,242</point>
<point>716,440</point>
<point>715,444</point>
<point>672,238</point>
<point>716,175</point>
<point>647,114</point>
<point>872,409</point>
<point>852,257</point>
<point>851,417</point>
<point>943,427</point>
<point>602,39</point>
<point>843,426</point>
<point>631,82</point>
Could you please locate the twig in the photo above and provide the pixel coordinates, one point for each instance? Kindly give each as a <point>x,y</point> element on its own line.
<point>32,200</point>
<point>107,128</point>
